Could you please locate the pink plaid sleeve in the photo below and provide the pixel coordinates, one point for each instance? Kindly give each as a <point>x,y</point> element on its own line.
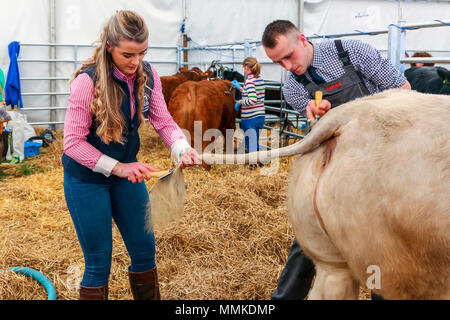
<point>77,123</point>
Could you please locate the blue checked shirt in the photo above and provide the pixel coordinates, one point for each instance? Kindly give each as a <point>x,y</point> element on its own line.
<point>378,73</point>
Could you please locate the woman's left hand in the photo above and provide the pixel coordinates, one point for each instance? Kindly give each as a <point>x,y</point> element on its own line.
<point>236,84</point>
<point>189,158</point>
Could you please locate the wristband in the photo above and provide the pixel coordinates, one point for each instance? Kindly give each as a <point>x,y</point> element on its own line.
<point>182,152</point>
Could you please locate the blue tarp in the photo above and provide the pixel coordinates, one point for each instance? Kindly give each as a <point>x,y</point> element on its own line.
<point>13,95</point>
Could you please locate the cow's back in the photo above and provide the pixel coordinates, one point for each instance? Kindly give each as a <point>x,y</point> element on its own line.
<point>170,83</point>
<point>383,194</point>
<point>207,102</point>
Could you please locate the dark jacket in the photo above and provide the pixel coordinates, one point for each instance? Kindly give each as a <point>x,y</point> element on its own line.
<point>124,153</point>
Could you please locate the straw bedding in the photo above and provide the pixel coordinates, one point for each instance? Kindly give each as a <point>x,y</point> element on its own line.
<point>231,243</point>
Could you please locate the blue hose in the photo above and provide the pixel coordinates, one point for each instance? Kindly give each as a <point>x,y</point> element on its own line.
<point>39,277</point>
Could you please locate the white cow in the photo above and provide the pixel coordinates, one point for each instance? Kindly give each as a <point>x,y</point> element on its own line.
<point>370,190</point>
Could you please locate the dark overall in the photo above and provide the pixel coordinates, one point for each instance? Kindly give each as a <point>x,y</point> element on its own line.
<point>125,153</point>
<point>296,278</point>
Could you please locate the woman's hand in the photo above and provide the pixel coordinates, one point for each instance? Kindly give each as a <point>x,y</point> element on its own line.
<point>189,158</point>
<point>236,84</point>
<point>312,110</point>
<point>135,172</point>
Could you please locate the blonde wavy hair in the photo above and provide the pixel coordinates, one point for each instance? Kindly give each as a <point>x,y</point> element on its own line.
<point>106,106</point>
<point>254,65</point>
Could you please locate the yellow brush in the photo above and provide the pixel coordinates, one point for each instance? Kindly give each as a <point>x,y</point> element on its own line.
<point>160,174</point>
<point>319,96</point>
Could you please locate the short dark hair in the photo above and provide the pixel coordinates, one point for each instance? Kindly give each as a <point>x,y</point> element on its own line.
<point>276,28</point>
<point>423,54</point>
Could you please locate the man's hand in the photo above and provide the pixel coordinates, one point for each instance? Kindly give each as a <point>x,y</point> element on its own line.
<point>135,172</point>
<point>312,110</point>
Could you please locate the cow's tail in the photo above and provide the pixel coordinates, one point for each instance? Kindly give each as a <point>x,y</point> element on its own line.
<point>326,128</point>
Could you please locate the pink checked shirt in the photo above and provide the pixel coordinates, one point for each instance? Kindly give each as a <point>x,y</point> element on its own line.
<point>79,119</point>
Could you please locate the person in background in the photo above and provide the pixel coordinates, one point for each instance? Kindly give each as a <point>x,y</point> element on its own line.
<point>2,87</point>
<point>343,70</point>
<point>253,112</point>
<point>103,181</point>
<point>422,64</point>
<point>4,116</point>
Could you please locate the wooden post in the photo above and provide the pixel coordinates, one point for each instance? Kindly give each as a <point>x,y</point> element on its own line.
<point>185,52</point>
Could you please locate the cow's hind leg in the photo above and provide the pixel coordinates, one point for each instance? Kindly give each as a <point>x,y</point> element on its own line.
<point>333,283</point>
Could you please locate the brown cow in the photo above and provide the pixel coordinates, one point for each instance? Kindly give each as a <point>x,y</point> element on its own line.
<point>368,196</point>
<point>170,83</point>
<point>210,103</point>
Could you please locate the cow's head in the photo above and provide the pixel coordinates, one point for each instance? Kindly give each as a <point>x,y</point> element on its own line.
<point>195,74</point>
<point>204,75</point>
<point>231,90</point>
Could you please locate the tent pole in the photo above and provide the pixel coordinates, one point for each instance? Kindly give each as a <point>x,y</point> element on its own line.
<point>185,36</point>
<point>301,15</point>
<point>52,56</point>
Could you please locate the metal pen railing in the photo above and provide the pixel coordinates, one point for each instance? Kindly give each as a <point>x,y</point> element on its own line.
<point>396,53</point>
<point>236,53</point>
<point>53,78</point>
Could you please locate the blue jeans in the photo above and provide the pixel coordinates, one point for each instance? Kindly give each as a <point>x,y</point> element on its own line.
<point>92,208</point>
<point>252,129</point>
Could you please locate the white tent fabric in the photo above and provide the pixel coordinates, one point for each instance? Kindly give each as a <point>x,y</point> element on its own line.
<point>349,15</point>
<point>207,22</point>
<point>23,20</point>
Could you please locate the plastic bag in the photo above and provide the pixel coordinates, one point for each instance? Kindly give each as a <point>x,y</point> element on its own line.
<point>21,131</point>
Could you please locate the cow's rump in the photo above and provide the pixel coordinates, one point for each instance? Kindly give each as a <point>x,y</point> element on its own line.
<point>382,198</point>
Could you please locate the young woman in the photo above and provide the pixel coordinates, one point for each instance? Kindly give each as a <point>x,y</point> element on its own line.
<point>109,97</point>
<point>252,105</point>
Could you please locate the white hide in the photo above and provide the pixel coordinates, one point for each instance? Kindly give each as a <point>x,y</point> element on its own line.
<point>383,197</point>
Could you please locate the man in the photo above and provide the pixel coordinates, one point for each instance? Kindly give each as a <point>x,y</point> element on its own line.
<point>343,70</point>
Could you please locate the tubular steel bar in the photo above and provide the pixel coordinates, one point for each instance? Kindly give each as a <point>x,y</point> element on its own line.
<point>406,26</point>
<point>83,45</point>
<point>425,60</point>
<point>52,78</point>
<point>347,34</point>
<point>45,123</point>
<point>55,45</point>
<point>288,133</point>
<point>45,60</point>
<point>31,109</point>
<point>44,78</point>
<point>33,94</point>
